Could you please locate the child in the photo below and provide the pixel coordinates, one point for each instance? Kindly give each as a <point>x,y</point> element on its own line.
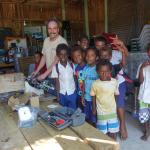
<point>64,75</point>
<point>144,96</point>
<point>100,42</point>
<point>117,72</point>
<point>89,76</point>
<point>77,55</point>
<point>84,42</point>
<point>103,96</point>
<point>37,58</point>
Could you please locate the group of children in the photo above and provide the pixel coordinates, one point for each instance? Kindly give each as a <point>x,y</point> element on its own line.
<point>86,81</point>
<point>93,79</point>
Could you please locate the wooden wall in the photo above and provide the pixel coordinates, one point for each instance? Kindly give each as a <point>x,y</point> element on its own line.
<point>121,18</point>
<point>127,17</point>
<point>13,15</point>
<point>143,14</point>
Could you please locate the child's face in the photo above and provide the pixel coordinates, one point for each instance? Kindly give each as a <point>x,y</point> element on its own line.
<point>63,56</point>
<point>91,57</point>
<point>99,44</point>
<point>84,43</point>
<point>104,55</point>
<point>37,58</point>
<point>104,73</point>
<point>78,57</point>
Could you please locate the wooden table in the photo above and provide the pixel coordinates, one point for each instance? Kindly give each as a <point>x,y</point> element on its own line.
<point>44,137</point>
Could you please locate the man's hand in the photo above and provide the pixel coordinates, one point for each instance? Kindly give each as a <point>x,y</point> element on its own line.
<point>41,77</point>
<point>33,74</point>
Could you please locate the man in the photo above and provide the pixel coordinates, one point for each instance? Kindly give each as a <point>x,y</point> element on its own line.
<point>49,49</point>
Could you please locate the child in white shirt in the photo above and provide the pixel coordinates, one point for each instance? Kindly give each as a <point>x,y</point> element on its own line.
<point>63,72</point>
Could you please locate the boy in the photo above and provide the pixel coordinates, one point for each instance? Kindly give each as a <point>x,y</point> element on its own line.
<point>84,42</point>
<point>37,58</point>
<point>89,76</point>
<point>103,96</point>
<point>78,58</point>
<point>144,95</point>
<point>100,42</point>
<point>64,74</point>
<point>117,72</point>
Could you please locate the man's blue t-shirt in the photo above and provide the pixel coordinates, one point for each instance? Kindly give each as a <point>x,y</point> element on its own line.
<point>89,76</point>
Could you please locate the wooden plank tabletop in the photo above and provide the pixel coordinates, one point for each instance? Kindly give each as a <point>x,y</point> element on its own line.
<point>44,137</point>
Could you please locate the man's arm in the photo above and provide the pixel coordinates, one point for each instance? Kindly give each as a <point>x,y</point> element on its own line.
<point>49,70</point>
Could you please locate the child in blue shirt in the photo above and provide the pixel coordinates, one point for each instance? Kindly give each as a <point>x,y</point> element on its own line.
<point>89,76</point>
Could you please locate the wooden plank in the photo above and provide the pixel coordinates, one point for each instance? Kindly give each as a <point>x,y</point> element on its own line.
<point>96,139</point>
<point>39,139</point>
<point>9,132</point>
<point>11,82</point>
<point>67,138</point>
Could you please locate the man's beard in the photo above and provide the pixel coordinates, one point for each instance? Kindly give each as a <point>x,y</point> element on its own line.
<point>53,35</point>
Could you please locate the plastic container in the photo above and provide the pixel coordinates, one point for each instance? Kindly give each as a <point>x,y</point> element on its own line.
<point>27,116</point>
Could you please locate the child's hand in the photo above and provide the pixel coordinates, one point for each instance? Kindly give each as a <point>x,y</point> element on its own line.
<point>118,43</point>
<point>82,101</point>
<point>58,98</point>
<point>94,112</point>
<point>145,64</point>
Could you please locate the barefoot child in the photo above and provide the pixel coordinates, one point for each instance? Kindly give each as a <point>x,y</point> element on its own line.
<point>63,72</point>
<point>144,96</point>
<point>89,76</point>
<point>103,96</point>
<point>117,72</point>
<point>77,55</point>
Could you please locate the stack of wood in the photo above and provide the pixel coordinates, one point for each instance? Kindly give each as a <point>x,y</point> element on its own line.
<point>12,82</point>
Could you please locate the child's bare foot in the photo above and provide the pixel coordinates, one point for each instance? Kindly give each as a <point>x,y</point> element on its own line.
<point>123,134</point>
<point>145,136</point>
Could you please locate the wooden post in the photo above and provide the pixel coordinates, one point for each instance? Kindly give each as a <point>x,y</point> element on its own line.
<point>86,17</point>
<point>63,15</point>
<point>63,9</point>
<point>106,14</point>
